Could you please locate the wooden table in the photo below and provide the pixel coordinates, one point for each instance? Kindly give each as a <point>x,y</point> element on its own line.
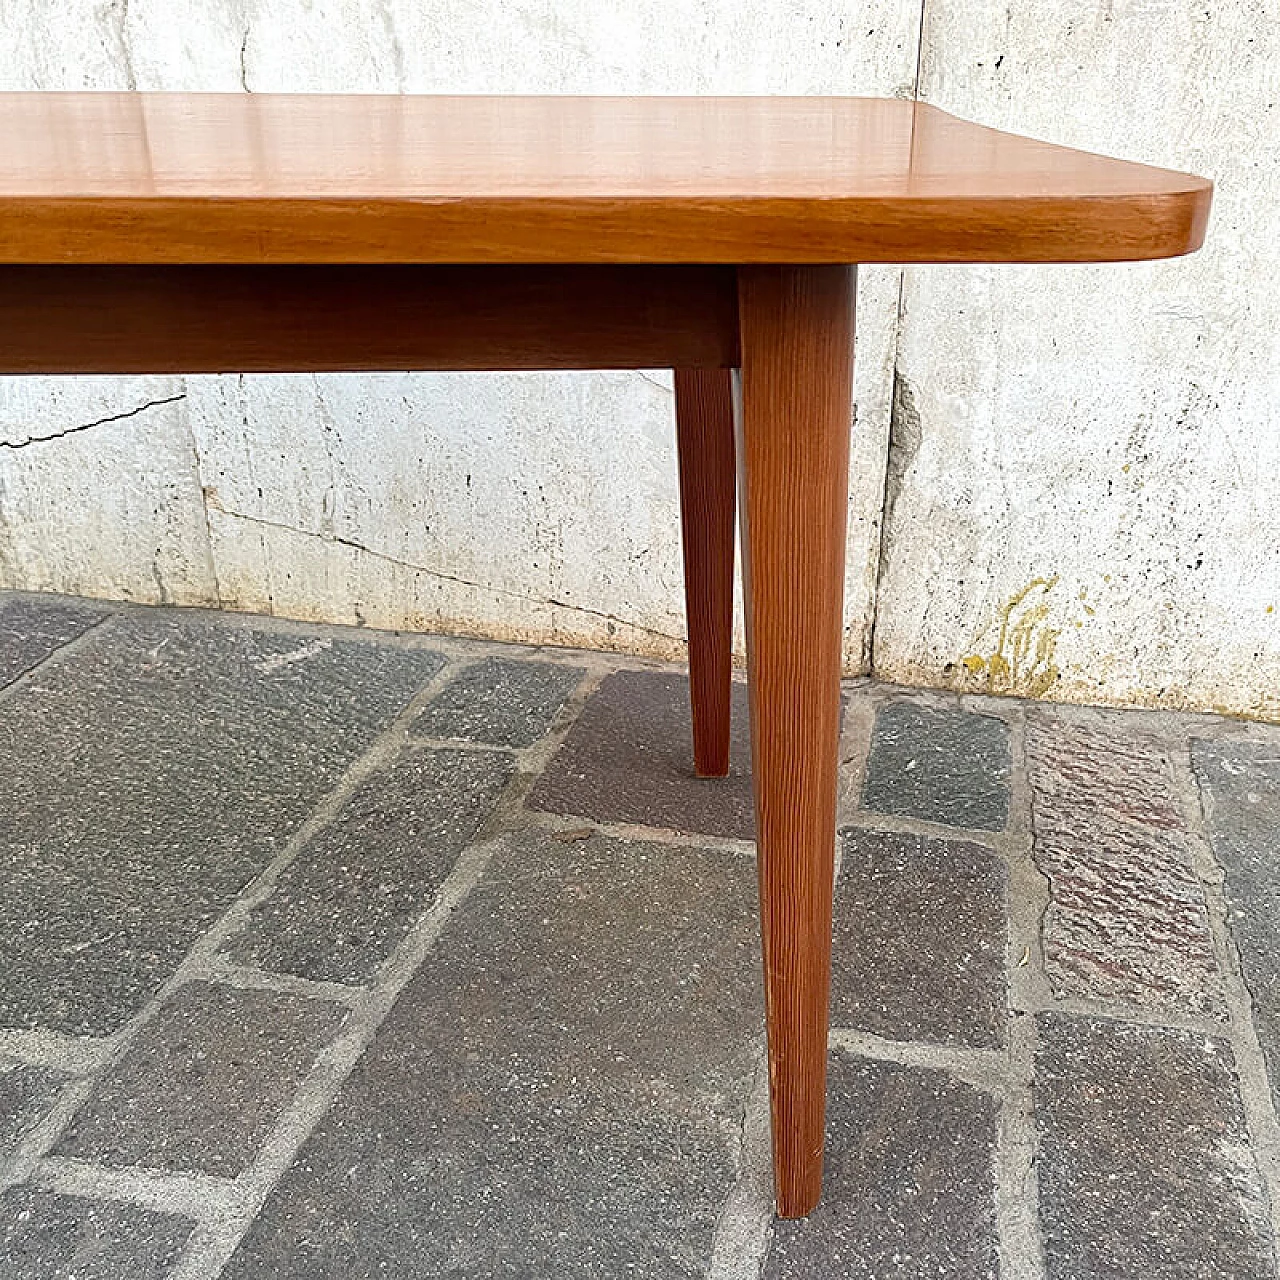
<point>207,233</point>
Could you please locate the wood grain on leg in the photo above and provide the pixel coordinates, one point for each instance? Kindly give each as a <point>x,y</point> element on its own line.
<point>797,367</point>
<point>704,433</point>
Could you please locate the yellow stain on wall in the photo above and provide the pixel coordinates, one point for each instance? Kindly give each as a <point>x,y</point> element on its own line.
<point>1022,662</point>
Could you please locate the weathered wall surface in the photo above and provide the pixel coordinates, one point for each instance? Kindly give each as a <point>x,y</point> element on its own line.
<point>1082,488</point>
<point>100,490</point>
<point>538,507</point>
<point>1085,481</point>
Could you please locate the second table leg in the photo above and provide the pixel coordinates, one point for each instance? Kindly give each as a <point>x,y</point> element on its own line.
<point>704,438</point>
<point>793,451</point>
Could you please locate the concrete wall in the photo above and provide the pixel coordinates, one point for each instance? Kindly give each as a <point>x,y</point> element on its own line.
<point>1080,490</point>
<point>538,507</point>
<point>1085,482</point>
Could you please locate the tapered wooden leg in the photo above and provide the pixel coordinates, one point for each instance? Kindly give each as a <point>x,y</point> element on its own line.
<point>704,435</point>
<point>793,447</point>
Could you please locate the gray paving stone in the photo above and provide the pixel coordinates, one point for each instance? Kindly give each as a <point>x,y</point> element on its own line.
<point>629,758</point>
<point>26,1095</point>
<point>499,702</point>
<point>354,891</point>
<point>558,1090</point>
<point>1241,785</point>
<point>919,939</point>
<point>204,1081</point>
<point>909,1188</point>
<point>940,765</point>
<point>149,777</point>
<point>1127,918</point>
<point>31,629</point>
<point>44,1236</point>
<point>1145,1166</point>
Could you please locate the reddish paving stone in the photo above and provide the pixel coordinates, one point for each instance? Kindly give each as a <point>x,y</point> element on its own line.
<point>1129,779</point>
<point>1127,918</point>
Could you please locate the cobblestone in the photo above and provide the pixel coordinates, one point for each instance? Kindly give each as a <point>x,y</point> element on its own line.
<point>1242,785</point>
<point>32,630</point>
<point>919,939</point>
<point>1145,1166</point>
<point>910,1187</point>
<point>554,1092</point>
<point>499,703</point>
<point>148,779</point>
<point>545,1057</point>
<point>26,1093</point>
<point>351,894</point>
<point>1127,916</point>
<point>945,766</point>
<point>203,1082</point>
<point>629,758</point>
<point>44,1236</point>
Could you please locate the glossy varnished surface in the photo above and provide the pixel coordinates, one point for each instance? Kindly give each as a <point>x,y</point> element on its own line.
<point>793,450</point>
<point>156,178</point>
<point>704,443</point>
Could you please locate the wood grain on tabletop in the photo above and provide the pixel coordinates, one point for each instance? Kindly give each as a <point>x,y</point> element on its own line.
<point>260,178</point>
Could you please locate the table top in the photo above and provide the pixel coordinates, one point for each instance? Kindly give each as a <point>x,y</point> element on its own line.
<point>261,178</point>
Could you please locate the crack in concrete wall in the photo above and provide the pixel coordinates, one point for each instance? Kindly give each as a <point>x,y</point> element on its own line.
<point>213,504</point>
<point>906,434</point>
<point>121,13</point>
<point>89,426</point>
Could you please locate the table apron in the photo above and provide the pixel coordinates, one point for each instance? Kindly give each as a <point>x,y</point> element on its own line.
<point>215,318</point>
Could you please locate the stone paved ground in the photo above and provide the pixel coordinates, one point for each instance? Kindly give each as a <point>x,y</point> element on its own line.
<point>332,954</point>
